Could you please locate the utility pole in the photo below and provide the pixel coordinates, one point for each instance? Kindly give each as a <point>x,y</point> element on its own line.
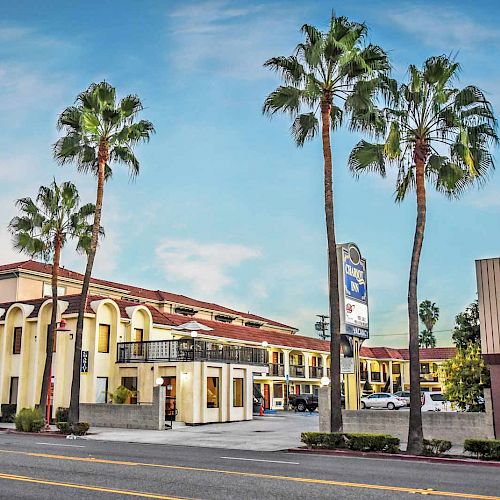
<point>321,327</point>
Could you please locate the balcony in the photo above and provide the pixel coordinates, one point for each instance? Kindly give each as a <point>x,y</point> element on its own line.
<point>297,371</point>
<point>189,350</point>
<point>315,371</point>
<point>429,377</point>
<point>276,370</point>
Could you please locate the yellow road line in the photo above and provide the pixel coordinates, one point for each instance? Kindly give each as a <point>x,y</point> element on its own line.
<point>76,486</point>
<point>327,482</point>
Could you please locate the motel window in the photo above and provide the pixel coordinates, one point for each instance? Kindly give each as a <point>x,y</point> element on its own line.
<point>278,391</point>
<point>307,389</point>
<point>18,334</point>
<point>396,369</point>
<point>14,385</point>
<point>212,392</point>
<point>103,341</point>
<point>424,368</point>
<point>47,290</point>
<point>54,344</point>
<point>138,335</point>
<point>238,392</point>
<point>101,390</point>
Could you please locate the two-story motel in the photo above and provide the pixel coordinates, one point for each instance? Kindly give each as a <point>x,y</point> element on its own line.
<point>212,359</point>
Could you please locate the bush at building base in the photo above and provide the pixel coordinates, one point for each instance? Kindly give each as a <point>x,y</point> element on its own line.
<point>485,449</point>
<point>78,429</point>
<point>29,420</point>
<point>8,412</point>
<point>352,441</point>
<point>62,414</point>
<point>435,447</point>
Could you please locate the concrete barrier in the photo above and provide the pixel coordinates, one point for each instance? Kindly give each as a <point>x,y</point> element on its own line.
<point>454,426</point>
<point>143,416</point>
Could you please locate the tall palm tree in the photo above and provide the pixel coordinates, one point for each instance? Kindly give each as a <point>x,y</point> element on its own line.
<point>42,230</point>
<point>332,76</point>
<point>437,135</point>
<point>429,315</point>
<point>99,132</point>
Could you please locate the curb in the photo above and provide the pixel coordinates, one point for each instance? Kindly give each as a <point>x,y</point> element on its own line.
<point>396,456</point>
<point>39,434</point>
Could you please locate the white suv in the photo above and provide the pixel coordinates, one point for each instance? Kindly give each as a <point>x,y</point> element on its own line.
<point>382,400</point>
<point>435,401</point>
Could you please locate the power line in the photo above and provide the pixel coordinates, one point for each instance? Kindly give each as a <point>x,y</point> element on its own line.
<point>404,333</point>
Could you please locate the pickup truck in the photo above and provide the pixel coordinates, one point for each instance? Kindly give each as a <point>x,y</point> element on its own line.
<point>303,402</point>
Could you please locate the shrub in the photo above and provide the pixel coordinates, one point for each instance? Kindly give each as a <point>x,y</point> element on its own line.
<point>357,442</point>
<point>486,449</point>
<point>29,420</point>
<point>8,412</point>
<point>78,429</point>
<point>435,447</point>
<point>121,394</point>
<point>62,414</point>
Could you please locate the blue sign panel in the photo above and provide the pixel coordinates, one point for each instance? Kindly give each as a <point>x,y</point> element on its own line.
<point>355,279</point>
<point>84,365</point>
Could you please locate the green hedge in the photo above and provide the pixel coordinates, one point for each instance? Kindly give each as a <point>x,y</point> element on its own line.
<point>78,429</point>
<point>351,441</point>
<point>435,447</point>
<point>485,449</point>
<point>29,420</point>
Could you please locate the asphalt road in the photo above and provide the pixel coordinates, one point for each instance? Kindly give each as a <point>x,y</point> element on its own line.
<point>41,467</point>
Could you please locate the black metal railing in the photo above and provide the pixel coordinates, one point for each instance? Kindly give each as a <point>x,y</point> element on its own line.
<point>315,372</point>
<point>376,377</point>
<point>297,371</point>
<point>189,350</point>
<point>276,370</point>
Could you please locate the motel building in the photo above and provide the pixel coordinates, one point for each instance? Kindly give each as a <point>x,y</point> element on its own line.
<point>211,359</point>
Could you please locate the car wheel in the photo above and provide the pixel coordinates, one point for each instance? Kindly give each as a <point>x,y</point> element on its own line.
<point>301,406</point>
<point>363,405</point>
<point>390,406</point>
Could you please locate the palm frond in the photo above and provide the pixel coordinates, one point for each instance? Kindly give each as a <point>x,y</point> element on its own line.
<point>304,128</point>
<point>367,157</point>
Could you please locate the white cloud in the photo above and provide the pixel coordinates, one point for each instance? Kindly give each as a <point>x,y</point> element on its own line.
<point>442,27</point>
<point>231,41</point>
<point>203,267</point>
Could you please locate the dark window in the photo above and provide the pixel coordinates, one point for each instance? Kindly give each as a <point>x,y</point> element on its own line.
<point>131,384</point>
<point>18,334</point>
<point>103,341</point>
<point>438,397</point>
<point>278,391</point>
<point>396,369</point>
<point>14,385</point>
<point>212,392</point>
<point>424,368</point>
<point>238,392</point>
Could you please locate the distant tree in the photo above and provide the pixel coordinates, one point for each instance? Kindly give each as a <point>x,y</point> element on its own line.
<point>429,315</point>
<point>466,375</point>
<point>41,230</point>
<point>466,329</point>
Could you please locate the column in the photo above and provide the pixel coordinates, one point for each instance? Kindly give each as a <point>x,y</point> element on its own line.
<point>391,383</point>
<point>307,362</point>
<point>324,358</point>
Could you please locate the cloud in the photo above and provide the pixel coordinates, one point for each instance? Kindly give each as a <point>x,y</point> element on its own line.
<point>442,27</point>
<point>218,37</point>
<point>203,267</point>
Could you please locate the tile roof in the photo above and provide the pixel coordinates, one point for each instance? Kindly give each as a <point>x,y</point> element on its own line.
<point>155,295</point>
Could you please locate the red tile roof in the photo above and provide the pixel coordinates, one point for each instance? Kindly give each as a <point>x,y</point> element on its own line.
<point>144,293</point>
<point>431,353</point>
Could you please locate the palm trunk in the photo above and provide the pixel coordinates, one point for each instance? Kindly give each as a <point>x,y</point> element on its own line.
<point>49,350</point>
<point>415,432</point>
<point>74,407</point>
<point>333,288</point>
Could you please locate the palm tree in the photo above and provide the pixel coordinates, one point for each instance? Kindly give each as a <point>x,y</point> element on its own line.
<point>331,77</point>
<point>42,230</point>
<point>429,315</point>
<point>437,135</point>
<point>99,132</point>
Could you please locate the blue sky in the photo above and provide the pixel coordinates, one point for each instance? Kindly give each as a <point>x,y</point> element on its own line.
<point>226,208</point>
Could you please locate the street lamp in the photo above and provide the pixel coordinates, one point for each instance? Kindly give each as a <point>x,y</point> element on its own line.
<point>265,343</point>
<point>159,381</point>
<point>324,381</point>
<point>194,334</point>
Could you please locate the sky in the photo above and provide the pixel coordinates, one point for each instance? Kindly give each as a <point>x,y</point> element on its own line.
<point>226,208</point>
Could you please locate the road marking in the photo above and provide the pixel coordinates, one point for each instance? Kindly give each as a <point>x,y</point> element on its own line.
<point>65,445</point>
<point>260,460</point>
<point>402,489</point>
<point>76,486</point>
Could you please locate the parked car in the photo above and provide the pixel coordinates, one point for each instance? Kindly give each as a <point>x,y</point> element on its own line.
<point>303,402</point>
<point>382,400</point>
<point>435,401</point>
<point>404,395</point>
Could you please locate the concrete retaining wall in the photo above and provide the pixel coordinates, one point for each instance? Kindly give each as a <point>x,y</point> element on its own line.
<point>144,416</point>
<point>456,427</point>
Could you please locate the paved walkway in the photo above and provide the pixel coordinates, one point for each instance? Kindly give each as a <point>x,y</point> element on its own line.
<point>268,433</point>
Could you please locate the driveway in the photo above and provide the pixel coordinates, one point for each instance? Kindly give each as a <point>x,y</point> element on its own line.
<point>269,433</point>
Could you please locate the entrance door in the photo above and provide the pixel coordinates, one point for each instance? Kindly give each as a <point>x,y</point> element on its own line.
<point>267,402</point>
<point>170,384</point>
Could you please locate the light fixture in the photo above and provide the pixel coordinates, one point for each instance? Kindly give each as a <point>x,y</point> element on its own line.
<point>265,343</point>
<point>194,334</point>
<point>325,381</point>
<point>62,326</point>
<point>159,381</point>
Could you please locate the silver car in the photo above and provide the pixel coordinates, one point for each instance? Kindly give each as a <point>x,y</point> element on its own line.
<point>382,400</point>
<point>405,395</point>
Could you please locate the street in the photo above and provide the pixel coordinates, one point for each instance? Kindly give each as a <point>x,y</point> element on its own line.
<point>45,467</point>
